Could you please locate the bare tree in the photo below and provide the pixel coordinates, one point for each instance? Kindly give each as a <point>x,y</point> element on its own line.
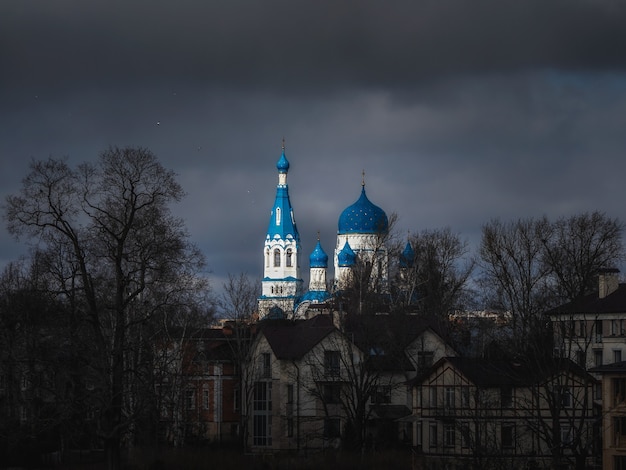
<point>237,305</point>
<point>514,272</point>
<point>530,265</point>
<point>435,277</point>
<point>577,247</point>
<point>131,257</point>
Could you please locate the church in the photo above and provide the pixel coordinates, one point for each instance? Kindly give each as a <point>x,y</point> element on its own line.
<point>361,231</point>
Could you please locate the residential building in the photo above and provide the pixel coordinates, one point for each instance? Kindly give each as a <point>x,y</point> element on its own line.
<point>613,414</point>
<point>592,330</point>
<point>478,413</point>
<point>197,388</point>
<point>299,373</point>
<point>310,376</point>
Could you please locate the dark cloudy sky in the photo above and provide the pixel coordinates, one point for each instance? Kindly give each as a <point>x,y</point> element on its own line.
<point>458,111</point>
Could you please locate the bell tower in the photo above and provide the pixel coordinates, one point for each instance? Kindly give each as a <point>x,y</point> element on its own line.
<point>281,285</point>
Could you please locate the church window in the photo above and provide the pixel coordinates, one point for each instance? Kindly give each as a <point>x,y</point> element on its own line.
<point>267,258</point>
<point>288,262</point>
<point>276,258</point>
<point>278,216</point>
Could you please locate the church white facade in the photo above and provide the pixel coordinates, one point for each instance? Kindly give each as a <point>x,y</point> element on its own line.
<point>361,234</point>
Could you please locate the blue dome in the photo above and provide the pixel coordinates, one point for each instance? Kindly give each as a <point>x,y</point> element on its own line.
<point>318,259</point>
<point>363,217</point>
<point>407,257</point>
<point>283,164</point>
<point>346,257</point>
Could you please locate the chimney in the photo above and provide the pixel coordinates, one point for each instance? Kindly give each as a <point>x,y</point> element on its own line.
<point>608,281</point>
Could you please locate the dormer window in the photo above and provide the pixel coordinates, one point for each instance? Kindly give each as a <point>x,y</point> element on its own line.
<point>276,258</point>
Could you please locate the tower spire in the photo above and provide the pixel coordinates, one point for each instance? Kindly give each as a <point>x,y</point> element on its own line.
<point>281,283</point>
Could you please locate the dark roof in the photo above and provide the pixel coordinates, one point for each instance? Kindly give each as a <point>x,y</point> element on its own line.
<point>615,302</point>
<point>490,373</point>
<point>497,373</point>
<point>615,368</point>
<point>398,330</point>
<point>292,340</point>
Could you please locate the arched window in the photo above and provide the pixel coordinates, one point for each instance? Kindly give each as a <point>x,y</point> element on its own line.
<point>288,260</point>
<point>278,216</point>
<point>277,258</point>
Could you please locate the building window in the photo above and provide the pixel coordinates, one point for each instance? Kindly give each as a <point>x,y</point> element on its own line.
<point>289,427</point>
<point>278,216</point>
<point>619,390</point>
<point>266,365</point>
<point>449,394</point>
<point>617,355</point>
<point>382,394</point>
<point>262,414</point>
<point>432,390</point>
<point>465,435</point>
<point>425,359</point>
<point>331,363</point>
<point>267,258</point>
<point>262,430</point>
<point>277,258</point>
<point>581,358</point>
<point>597,391</point>
<point>597,357</point>
<point>418,434</point>
<point>432,435</point>
<point>598,331</point>
<point>614,328</point>
<point>332,428</point>
<point>205,398</point>
<point>288,261</point>
<point>332,393</point>
<point>465,396</point>
<point>619,432</point>
<point>582,329</point>
<point>507,435</point>
<point>190,399</point>
<point>262,396</point>
<point>566,434</point>
<point>506,396</point>
<point>236,399</point>
<point>565,396</point>
<point>622,331</point>
<point>289,393</point>
<point>449,434</point>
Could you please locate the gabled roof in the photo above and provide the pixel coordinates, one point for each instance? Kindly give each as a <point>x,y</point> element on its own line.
<point>397,329</point>
<point>292,340</point>
<point>489,373</point>
<point>615,368</point>
<point>385,338</point>
<point>615,302</point>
